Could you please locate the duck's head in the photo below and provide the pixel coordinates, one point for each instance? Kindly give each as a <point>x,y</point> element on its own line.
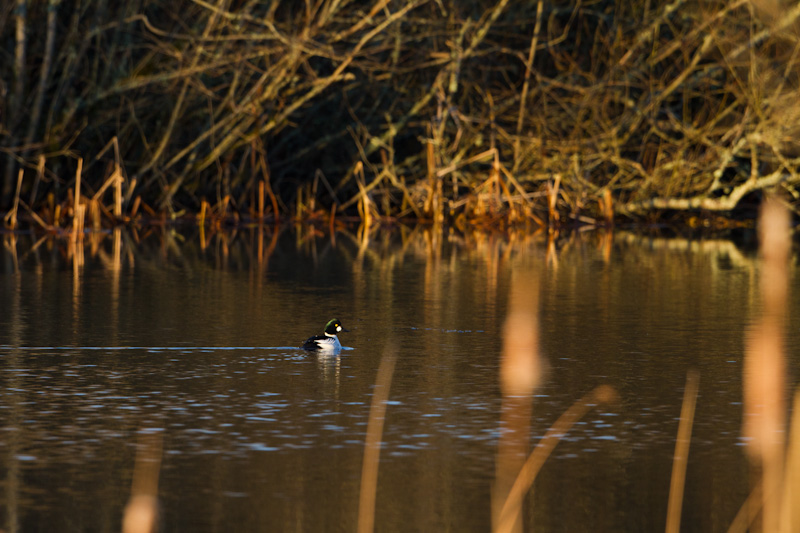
<point>333,327</point>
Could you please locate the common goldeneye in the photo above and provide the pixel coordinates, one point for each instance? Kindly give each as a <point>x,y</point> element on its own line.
<point>327,342</point>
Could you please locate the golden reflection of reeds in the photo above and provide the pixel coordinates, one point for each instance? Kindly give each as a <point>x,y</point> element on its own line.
<point>10,243</point>
<point>141,512</point>
<point>681,455</point>
<point>372,444</point>
<point>116,264</point>
<point>551,256</point>
<point>606,244</point>
<point>765,367</point>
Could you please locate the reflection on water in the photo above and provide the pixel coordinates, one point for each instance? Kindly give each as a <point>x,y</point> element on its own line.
<point>192,336</point>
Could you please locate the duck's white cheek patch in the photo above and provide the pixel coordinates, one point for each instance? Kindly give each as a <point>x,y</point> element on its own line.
<point>338,328</point>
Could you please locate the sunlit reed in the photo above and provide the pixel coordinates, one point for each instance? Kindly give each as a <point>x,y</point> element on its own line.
<point>78,208</point>
<point>10,219</point>
<point>552,199</point>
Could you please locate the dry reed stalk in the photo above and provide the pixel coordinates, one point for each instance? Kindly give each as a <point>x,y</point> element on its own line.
<point>432,201</point>
<point>365,206</point>
<point>452,167</point>
<point>44,225</point>
<point>372,444</point>
<point>119,180</point>
<point>118,192</point>
<point>262,160</point>
<point>520,374</point>
<point>607,207</point>
<point>77,207</point>
<point>381,4</point>
<point>201,217</point>
<point>129,193</point>
<point>10,219</point>
<point>765,366</point>
<point>552,200</point>
<point>141,512</point>
<point>681,455</point>
<point>116,180</point>
<point>110,181</point>
<point>498,185</point>
<point>135,207</point>
<point>332,227</point>
<point>527,474</point>
<point>748,511</point>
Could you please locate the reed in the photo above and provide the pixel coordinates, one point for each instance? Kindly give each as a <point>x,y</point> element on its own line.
<point>372,444</point>
<point>141,512</point>
<point>10,220</point>
<point>681,454</point>
<point>78,208</point>
<point>790,512</point>
<point>520,374</point>
<point>511,508</point>
<point>764,377</point>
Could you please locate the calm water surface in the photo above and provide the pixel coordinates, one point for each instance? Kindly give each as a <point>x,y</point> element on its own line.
<point>157,335</point>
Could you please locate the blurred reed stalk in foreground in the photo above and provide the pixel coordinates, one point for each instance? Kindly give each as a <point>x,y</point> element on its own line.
<point>520,374</point>
<point>141,513</point>
<point>681,455</point>
<point>764,378</point>
<point>521,370</point>
<point>372,444</point>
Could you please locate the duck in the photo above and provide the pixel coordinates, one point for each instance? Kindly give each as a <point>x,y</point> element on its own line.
<point>328,341</point>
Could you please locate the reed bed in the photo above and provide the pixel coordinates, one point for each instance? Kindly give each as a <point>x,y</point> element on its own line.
<point>477,113</point>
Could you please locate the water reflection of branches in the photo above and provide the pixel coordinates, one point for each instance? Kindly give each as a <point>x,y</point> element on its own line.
<point>380,246</point>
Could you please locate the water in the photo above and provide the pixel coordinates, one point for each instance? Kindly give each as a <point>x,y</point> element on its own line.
<point>190,339</point>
